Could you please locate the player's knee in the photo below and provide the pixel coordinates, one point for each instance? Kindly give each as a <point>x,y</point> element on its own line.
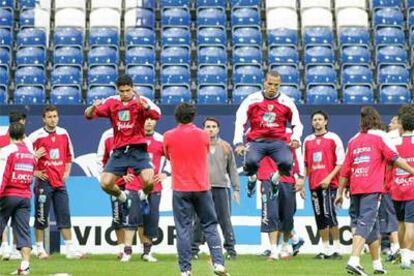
<point>106,182</point>
<point>251,166</point>
<point>285,167</point>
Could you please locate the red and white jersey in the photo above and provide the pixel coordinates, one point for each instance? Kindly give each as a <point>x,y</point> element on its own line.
<point>366,159</point>
<point>127,119</point>
<point>17,164</point>
<point>4,140</point>
<point>402,188</point>
<point>389,174</point>
<point>59,152</point>
<point>267,118</point>
<point>322,153</point>
<point>105,148</point>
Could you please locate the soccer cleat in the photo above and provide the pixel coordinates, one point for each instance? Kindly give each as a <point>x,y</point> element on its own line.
<point>265,253</point>
<point>297,246</point>
<point>393,257</point>
<point>380,271</point>
<point>20,271</point>
<point>273,256</point>
<point>126,257</point>
<point>286,252</point>
<point>148,258</point>
<point>321,256</point>
<point>335,256</point>
<point>5,256</point>
<point>355,270</point>
<point>15,255</point>
<point>75,255</point>
<point>220,270</point>
<point>195,256</point>
<point>231,257</point>
<point>274,185</point>
<point>251,188</point>
<point>186,273</point>
<point>42,255</point>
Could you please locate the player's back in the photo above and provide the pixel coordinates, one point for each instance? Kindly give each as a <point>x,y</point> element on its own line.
<point>402,187</point>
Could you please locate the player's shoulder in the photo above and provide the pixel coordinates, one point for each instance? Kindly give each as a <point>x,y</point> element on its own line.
<point>286,100</point>
<point>108,133</point>
<point>354,138</point>
<point>37,134</point>
<point>61,131</point>
<point>114,98</point>
<point>254,97</point>
<point>158,137</point>
<point>7,150</point>
<point>378,133</point>
<point>309,138</point>
<point>332,135</point>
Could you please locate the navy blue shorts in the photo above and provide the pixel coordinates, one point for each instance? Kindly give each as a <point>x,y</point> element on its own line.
<point>324,208</point>
<point>152,219</point>
<point>135,157</point>
<point>405,210</point>
<point>287,206</point>
<point>117,212</point>
<point>270,210</point>
<point>133,217</point>
<point>18,209</point>
<point>387,217</point>
<point>45,194</point>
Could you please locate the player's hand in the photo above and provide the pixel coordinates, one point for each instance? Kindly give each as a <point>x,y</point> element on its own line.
<point>40,152</point>
<point>140,101</point>
<point>65,176</point>
<point>159,177</point>
<point>97,103</point>
<point>41,175</point>
<point>295,144</point>
<point>299,184</point>
<point>325,183</point>
<point>128,178</point>
<point>339,200</point>
<point>236,197</point>
<point>302,194</point>
<point>240,150</point>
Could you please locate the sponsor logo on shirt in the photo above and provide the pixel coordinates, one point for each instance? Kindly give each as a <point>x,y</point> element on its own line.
<point>121,125</point>
<point>124,115</point>
<point>362,159</point>
<point>54,154</point>
<point>54,163</point>
<point>361,150</point>
<point>23,167</point>
<point>317,156</point>
<point>401,181</point>
<point>22,177</point>
<point>360,172</point>
<point>400,172</point>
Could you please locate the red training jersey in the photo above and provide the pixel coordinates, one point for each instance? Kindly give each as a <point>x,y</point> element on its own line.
<point>17,164</point>
<point>365,161</point>
<point>322,153</point>
<point>4,140</point>
<point>187,148</point>
<point>59,152</point>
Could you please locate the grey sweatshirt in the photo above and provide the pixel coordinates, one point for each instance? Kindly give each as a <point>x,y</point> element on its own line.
<point>222,165</point>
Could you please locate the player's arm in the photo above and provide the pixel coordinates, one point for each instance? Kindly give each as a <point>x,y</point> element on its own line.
<point>344,175</point>
<point>296,125</point>
<point>150,109</point>
<point>97,109</point>
<point>240,124</point>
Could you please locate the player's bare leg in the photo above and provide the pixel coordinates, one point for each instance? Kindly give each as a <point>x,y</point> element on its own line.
<point>336,251</point>
<point>374,249</point>
<point>407,245</point>
<point>108,185</point>
<point>120,238</point>
<point>129,238</point>
<point>324,233</point>
<point>147,176</point>
<point>146,245</point>
<point>24,268</point>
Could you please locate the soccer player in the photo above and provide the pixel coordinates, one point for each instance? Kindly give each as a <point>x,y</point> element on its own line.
<point>52,171</point>
<point>187,147</point>
<point>267,113</point>
<point>366,158</point>
<point>222,168</point>
<point>17,163</point>
<point>127,113</point>
<point>324,154</point>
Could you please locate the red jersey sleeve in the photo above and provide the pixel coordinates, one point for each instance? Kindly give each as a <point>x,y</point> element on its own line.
<point>69,153</point>
<point>104,109</point>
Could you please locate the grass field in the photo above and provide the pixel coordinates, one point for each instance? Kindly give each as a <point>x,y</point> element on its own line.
<point>244,265</point>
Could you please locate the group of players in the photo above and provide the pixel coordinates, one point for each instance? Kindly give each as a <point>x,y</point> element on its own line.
<point>375,172</point>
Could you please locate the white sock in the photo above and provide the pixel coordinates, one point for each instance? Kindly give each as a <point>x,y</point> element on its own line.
<point>354,261</point>
<point>274,249</point>
<point>294,238</point>
<point>122,197</point>
<point>275,177</point>
<point>394,247</point>
<point>326,246</point>
<point>40,247</point>
<point>15,247</point>
<point>4,244</point>
<point>336,246</point>
<point>252,178</point>
<point>377,265</point>
<point>405,256</point>
<point>412,254</point>
<point>24,265</point>
<point>121,247</point>
<point>69,245</point>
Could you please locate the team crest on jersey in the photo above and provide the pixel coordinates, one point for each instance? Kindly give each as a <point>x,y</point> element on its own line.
<point>54,154</point>
<point>269,117</point>
<point>270,107</point>
<point>317,156</point>
<point>124,115</point>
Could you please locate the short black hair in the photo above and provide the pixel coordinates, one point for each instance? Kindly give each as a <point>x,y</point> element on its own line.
<point>16,116</point>
<point>185,113</point>
<point>124,80</point>
<point>211,119</point>
<point>49,108</point>
<point>407,121</point>
<point>16,131</point>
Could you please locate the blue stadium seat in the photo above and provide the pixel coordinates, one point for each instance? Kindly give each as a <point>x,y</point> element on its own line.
<point>291,91</point>
<point>394,94</point>
<point>103,55</point>
<point>393,74</point>
<point>212,74</point>
<point>247,54</point>
<point>282,36</point>
<point>247,35</point>
<point>7,3</point>
<point>283,55</point>
<point>65,95</point>
<point>409,3</point>
<point>211,3</point>
<point>31,55</point>
<point>175,36</point>
<point>148,4</point>
<point>410,18</point>
<point>175,54</point>
<point>103,36</point>
<point>175,74</point>
<point>289,73</point>
<point>211,35</point>
<point>27,3</point>
<point>102,74</point>
<point>212,54</point>
<point>212,94</point>
<point>6,18</point>
<point>66,74</point>
<point>175,94</point>
<point>389,35</point>
<point>247,74</point>
<point>319,55</point>
<point>321,94</point>
<point>5,55</point>
<point>318,35</point>
<point>321,74</point>
<point>145,90</point>
<point>178,3</point>
<point>388,17</point>
<point>140,36</point>
<point>31,37</point>
<point>245,2</point>
<point>391,54</point>
<point>175,16</point>
<point>30,75</point>
<point>6,39</point>
<point>97,92</point>
<point>355,54</point>
<point>358,94</point>
<point>385,3</point>
<point>145,18</point>
<point>356,74</point>
<point>3,94</point>
<point>245,16</point>
<point>140,55</point>
<point>68,36</point>
<point>211,16</point>
<point>4,74</point>
<point>27,17</point>
<point>29,95</point>
<point>141,74</point>
<point>68,55</point>
<point>354,35</point>
<point>242,91</point>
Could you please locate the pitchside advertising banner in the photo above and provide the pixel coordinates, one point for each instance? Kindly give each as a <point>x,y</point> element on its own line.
<point>90,207</point>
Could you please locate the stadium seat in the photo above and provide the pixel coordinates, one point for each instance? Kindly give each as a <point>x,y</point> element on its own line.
<point>178,3</point>
<point>352,17</point>
<point>30,55</point>
<point>388,17</point>
<point>35,75</point>
<point>321,94</point>
<point>245,2</point>
<point>247,35</point>
<point>175,74</point>
<point>319,54</point>
<point>7,4</point>
<point>282,36</point>
<point>211,16</point>
<point>175,36</point>
<point>211,3</point>
<point>97,92</point>
<point>245,16</point>
<point>140,55</point>
<point>102,74</point>
<point>68,55</point>
<point>343,4</point>
<point>385,3</point>
<point>212,94</point>
<point>6,18</point>
<point>140,17</point>
<point>65,95</point>
<point>141,74</point>
<point>3,94</point>
<point>318,35</point>
<point>355,54</point>
<point>5,56</point>
<point>4,74</point>
<point>320,74</point>
<point>393,74</point>
<point>44,4</point>
<point>389,35</point>
<point>356,74</point>
<point>270,4</point>
<point>37,17</point>
<point>283,54</point>
<point>394,94</point>
<point>306,4</point>
<point>67,75</point>
<point>113,4</point>
<point>70,17</point>
<point>291,91</point>
<point>247,74</point>
<point>175,54</point>
<point>212,54</point>
<point>147,4</point>
<point>140,36</point>
<point>77,4</point>
<point>289,73</point>
<point>211,35</point>
<point>104,36</point>
<point>175,94</point>
<point>103,55</point>
<point>212,74</point>
<point>242,91</point>
<point>29,95</point>
<point>247,54</point>
<point>358,94</point>
<point>31,37</point>
<point>105,17</point>
<point>68,36</point>
<point>285,18</point>
<point>175,16</point>
<point>317,17</point>
<point>354,35</point>
<point>6,39</point>
<point>145,90</point>
<point>391,54</point>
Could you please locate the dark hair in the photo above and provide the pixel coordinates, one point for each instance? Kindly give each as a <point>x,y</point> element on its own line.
<point>212,119</point>
<point>16,131</point>
<point>405,109</point>
<point>320,112</point>
<point>185,113</point>
<point>124,80</point>
<point>16,116</point>
<point>274,74</point>
<point>407,121</point>
<point>49,108</point>
<point>370,119</point>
